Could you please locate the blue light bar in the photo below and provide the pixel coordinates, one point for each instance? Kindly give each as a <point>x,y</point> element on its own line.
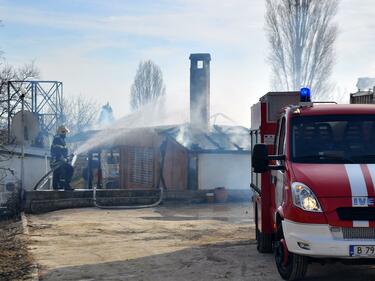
<point>305,95</point>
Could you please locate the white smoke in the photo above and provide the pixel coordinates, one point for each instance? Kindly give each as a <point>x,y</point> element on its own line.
<point>151,115</point>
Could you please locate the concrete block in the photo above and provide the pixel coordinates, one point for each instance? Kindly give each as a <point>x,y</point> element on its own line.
<point>45,201</point>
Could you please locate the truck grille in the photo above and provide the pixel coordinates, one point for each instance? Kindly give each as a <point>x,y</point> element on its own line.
<point>356,213</point>
<point>358,233</point>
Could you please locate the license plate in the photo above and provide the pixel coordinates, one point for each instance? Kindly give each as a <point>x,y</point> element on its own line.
<point>362,250</point>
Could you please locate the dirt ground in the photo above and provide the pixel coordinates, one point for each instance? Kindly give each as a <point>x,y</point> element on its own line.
<point>195,242</point>
<point>15,261</point>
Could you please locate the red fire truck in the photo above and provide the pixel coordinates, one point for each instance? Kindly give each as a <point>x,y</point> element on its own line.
<point>313,173</point>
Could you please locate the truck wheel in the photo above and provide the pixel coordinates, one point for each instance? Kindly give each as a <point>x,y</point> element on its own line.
<point>290,266</point>
<point>264,241</point>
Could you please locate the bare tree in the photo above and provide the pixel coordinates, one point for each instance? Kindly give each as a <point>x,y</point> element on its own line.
<point>80,113</point>
<point>301,34</point>
<point>148,85</point>
<point>9,72</point>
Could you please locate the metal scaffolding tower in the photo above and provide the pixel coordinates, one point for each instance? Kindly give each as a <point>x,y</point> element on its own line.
<point>43,98</point>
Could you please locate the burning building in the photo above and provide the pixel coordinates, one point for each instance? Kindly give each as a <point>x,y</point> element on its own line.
<point>191,158</point>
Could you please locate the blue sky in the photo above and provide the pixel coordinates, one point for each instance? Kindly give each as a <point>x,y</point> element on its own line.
<point>94,47</point>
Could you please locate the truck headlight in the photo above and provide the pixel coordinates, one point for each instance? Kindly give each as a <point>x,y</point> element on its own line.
<point>304,198</point>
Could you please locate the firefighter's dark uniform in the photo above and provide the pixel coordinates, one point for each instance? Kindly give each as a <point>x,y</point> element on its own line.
<point>63,172</point>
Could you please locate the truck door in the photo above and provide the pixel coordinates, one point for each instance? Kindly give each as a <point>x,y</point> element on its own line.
<point>278,175</point>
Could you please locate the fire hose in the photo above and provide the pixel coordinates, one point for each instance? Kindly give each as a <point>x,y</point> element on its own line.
<point>56,166</point>
<point>44,179</point>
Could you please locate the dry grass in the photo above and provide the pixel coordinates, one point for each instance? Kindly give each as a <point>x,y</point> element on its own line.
<point>15,261</point>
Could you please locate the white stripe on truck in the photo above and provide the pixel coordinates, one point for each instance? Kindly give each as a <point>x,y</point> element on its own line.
<point>371,168</point>
<point>357,186</point>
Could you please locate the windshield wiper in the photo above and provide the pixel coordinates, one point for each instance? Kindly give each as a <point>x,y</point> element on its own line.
<point>325,156</point>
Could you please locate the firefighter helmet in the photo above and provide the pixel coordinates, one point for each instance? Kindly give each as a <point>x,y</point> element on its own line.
<point>62,130</point>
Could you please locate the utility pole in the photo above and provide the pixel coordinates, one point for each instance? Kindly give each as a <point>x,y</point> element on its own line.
<point>22,97</point>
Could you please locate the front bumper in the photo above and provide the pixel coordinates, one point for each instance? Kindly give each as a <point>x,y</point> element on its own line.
<point>320,240</point>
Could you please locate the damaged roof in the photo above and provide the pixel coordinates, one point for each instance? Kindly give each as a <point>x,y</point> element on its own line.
<point>217,139</point>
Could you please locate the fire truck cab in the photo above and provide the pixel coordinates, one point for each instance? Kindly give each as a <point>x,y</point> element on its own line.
<point>313,173</point>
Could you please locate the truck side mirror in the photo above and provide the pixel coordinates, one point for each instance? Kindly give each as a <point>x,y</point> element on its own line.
<point>259,158</point>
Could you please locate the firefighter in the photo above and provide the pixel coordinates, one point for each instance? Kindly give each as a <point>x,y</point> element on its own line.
<point>62,170</point>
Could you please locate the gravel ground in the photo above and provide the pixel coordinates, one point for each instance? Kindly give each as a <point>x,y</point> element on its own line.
<point>169,243</point>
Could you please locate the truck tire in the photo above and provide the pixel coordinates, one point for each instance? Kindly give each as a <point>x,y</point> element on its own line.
<point>296,266</point>
<point>264,241</point>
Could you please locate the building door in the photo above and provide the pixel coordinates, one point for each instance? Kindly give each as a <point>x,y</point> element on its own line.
<point>139,167</point>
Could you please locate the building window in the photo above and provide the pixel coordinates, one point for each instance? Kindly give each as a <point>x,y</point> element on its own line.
<point>200,64</point>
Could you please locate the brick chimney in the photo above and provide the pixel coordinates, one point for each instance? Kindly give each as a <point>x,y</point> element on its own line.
<point>200,90</point>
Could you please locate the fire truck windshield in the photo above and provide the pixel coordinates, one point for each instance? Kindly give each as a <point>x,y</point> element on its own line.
<point>333,139</point>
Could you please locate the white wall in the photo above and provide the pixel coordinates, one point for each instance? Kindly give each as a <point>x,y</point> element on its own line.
<point>34,168</point>
<point>231,171</point>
